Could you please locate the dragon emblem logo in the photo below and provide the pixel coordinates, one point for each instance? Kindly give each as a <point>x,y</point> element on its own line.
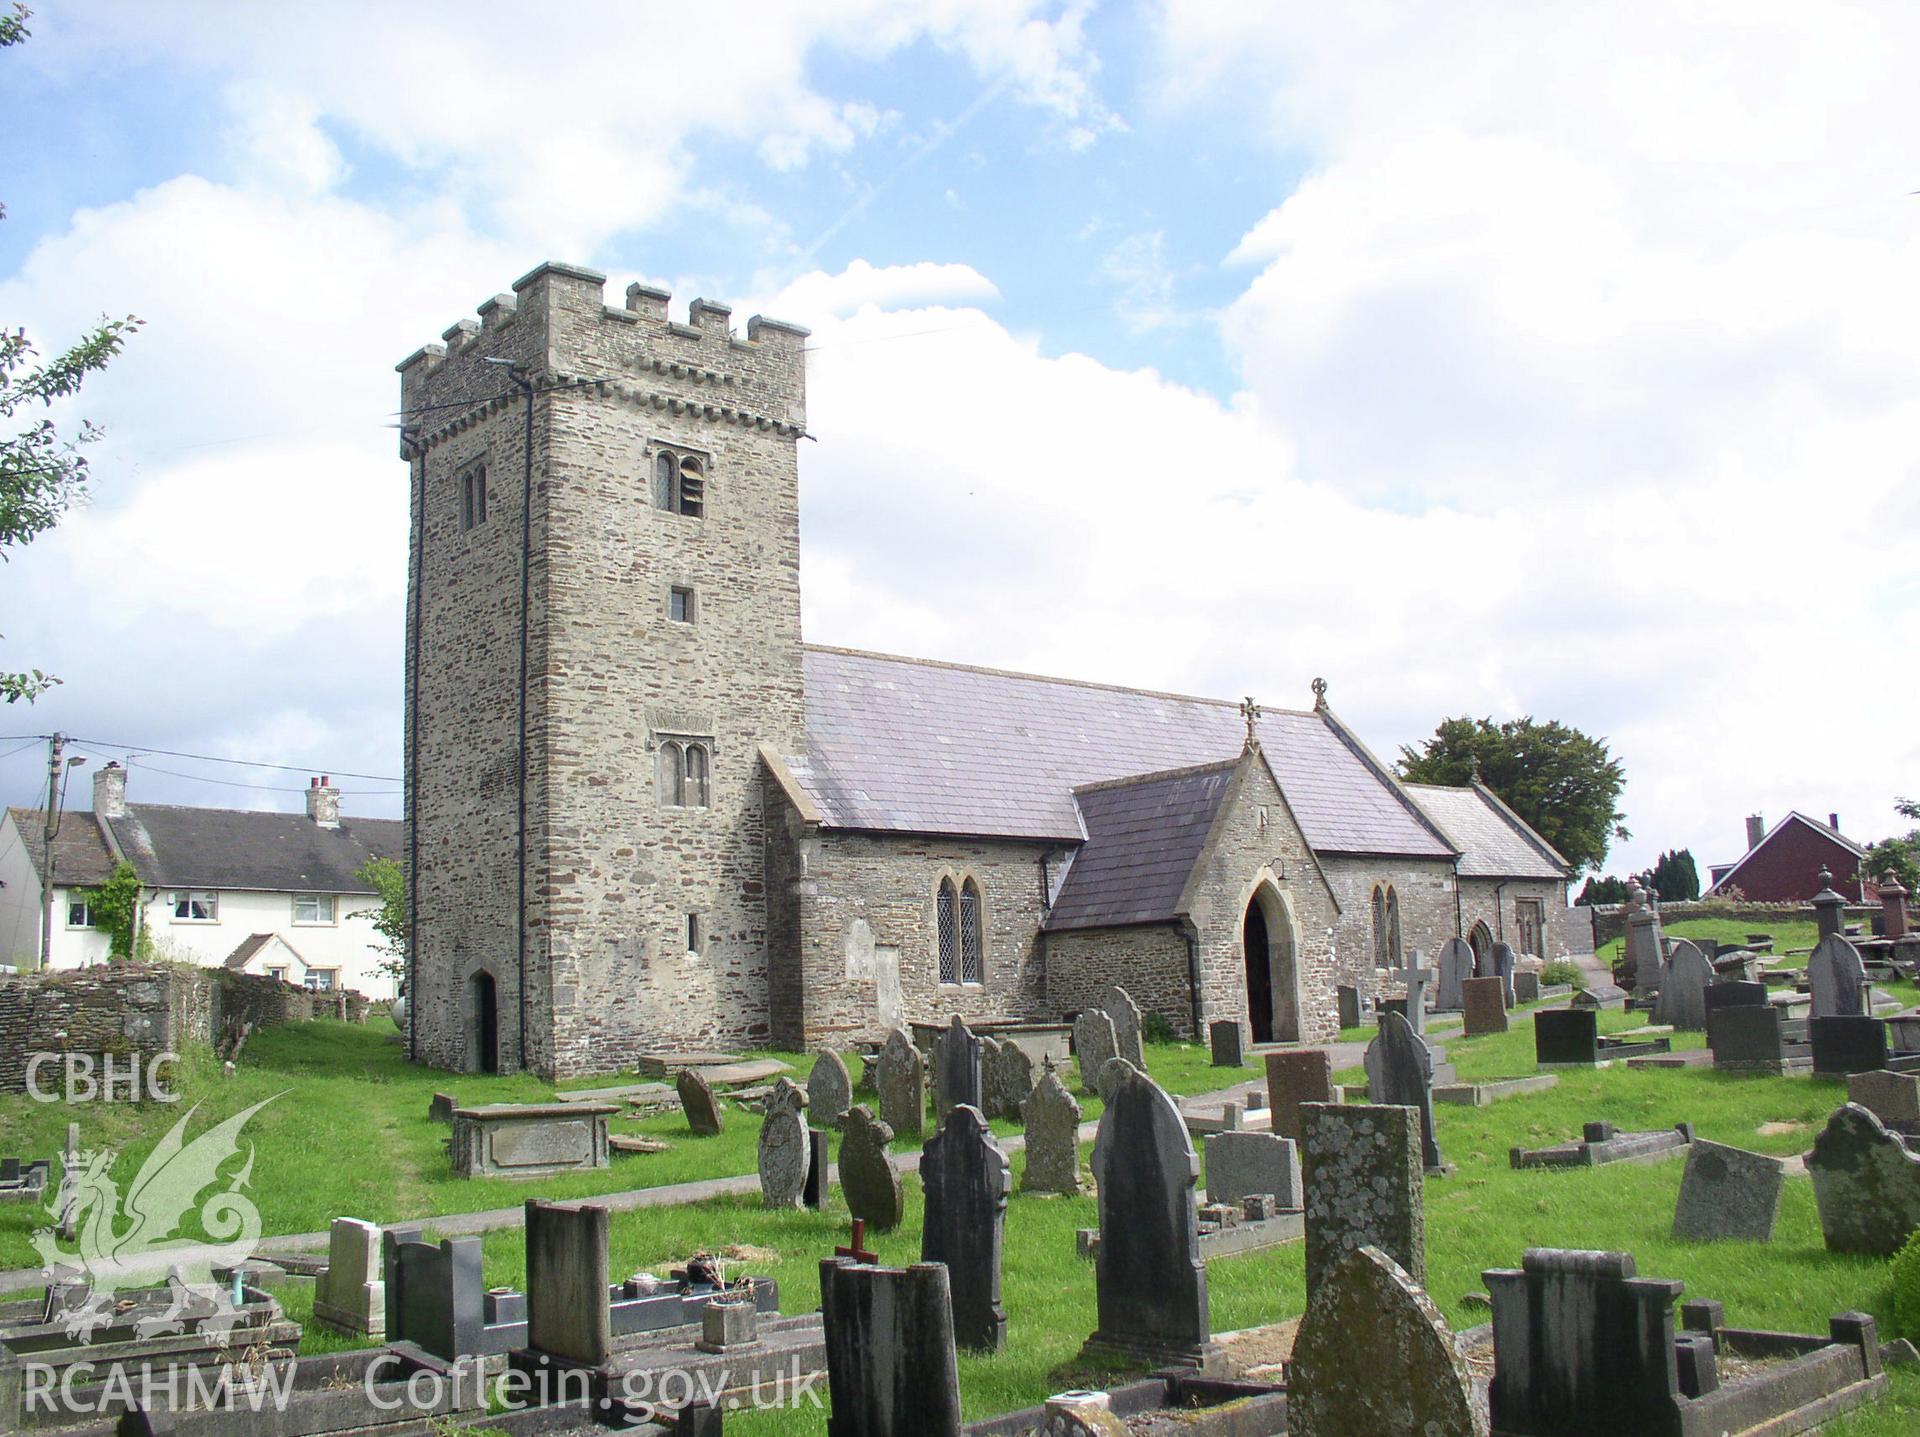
<point>122,1242</point>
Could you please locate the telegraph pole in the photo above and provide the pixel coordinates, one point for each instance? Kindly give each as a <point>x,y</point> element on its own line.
<point>55,747</point>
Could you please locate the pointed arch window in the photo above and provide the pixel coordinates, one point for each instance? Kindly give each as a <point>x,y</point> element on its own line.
<point>947,920</point>
<point>972,964</point>
<point>1380,927</point>
<point>1393,929</point>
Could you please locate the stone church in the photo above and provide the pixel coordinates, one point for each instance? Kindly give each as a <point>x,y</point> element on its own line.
<point>645,816</point>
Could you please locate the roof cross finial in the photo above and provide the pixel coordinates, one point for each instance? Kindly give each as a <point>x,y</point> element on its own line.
<point>1319,693</point>
<point>1251,712</point>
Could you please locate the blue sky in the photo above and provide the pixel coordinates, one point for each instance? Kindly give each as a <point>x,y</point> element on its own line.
<point>1488,361</point>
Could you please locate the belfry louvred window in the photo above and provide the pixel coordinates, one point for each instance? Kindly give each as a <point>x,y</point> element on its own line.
<point>680,483</point>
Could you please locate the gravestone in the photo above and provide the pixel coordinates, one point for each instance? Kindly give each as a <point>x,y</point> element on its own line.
<point>901,1080</point>
<point>1890,1097</point>
<point>1600,995</point>
<point>786,1152</point>
<point>1456,966</point>
<point>1756,1038</point>
<point>1052,1120</point>
<point>1226,1040</point>
<point>1485,1001</point>
<point>1838,979</point>
<point>567,1262</point>
<point>1125,1013</point>
<point>1093,1044</point>
<point>1362,1170</point>
<point>956,1069</point>
<point>1295,1079</point>
<point>1243,1165</point>
<point>967,1178</point>
<point>525,1140</point>
<point>1400,1074</point>
<point>1353,1007</point>
<point>1504,959</point>
<point>698,1104</point>
<point>818,1190</point>
<point>891,1365</point>
<point>1866,1182</point>
<point>829,1089</point>
<point>1848,1044</point>
<point>351,1295</point>
<point>434,1293</point>
<point>867,1175</point>
<point>1526,987</point>
<point>1007,1079</point>
<point>440,1108</point>
<point>1111,1074</point>
<point>1829,908</point>
<point>1416,976</point>
<point>1737,993</point>
<point>1728,1195</point>
<point>1374,1358</point>
<point>1152,1284</point>
<point>1644,957</point>
<point>1683,997</point>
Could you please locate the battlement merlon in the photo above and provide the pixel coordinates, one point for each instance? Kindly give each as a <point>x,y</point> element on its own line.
<point>556,325</point>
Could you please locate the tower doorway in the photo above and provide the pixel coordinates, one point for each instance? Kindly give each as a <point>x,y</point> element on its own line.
<point>483,1024</point>
<point>1273,990</point>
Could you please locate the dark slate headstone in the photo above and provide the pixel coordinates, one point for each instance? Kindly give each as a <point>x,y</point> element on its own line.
<point>440,1108</point>
<point>829,1089</point>
<point>697,1102</point>
<point>891,1365</point>
<point>1456,966</point>
<point>1362,1187</point>
<point>435,1293</point>
<point>1747,1036</point>
<point>567,1313</point>
<point>1151,1281</point>
<point>1683,997</point>
<point>786,1153</point>
<point>1848,1044</point>
<point>1839,980</point>
<point>1303,1075</point>
<point>956,1069</point>
<point>1093,1045</point>
<point>1400,1074</point>
<point>1566,1035</point>
<point>867,1175</point>
<point>1374,1356</point>
<point>1728,1194</point>
<point>1503,959</point>
<point>967,1178</point>
<point>819,1189</point>
<point>1485,1000</point>
<point>900,1077</point>
<point>1738,994</point>
<point>1866,1182</point>
<point>1226,1039</point>
<point>1353,1011</point>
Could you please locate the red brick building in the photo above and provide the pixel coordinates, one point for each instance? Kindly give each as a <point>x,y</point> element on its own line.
<point>1783,864</point>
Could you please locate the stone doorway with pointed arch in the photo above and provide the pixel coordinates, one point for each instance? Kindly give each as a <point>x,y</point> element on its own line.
<point>1270,951</point>
<point>1481,941</point>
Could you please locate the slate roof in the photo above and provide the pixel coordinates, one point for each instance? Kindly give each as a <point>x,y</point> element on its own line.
<point>81,857</point>
<point>909,745</point>
<point>180,847</point>
<point>1144,836</point>
<point>1494,842</point>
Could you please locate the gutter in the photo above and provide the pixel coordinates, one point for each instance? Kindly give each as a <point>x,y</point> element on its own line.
<point>413,749</point>
<point>520,816</point>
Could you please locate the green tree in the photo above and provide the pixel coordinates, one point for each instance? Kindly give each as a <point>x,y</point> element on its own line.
<point>114,906</point>
<point>388,878</point>
<point>43,472</point>
<point>1600,890</point>
<point>1898,856</point>
<point>1558,779</point>
<point>1676,878</point>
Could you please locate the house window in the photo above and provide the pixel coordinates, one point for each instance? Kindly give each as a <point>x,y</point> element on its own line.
<point>277,974</point>
<point>680,605</point>
<point>313,908</point>
<point>473,497</point>
<point>682,768</point>
<point>195,906</point>
<point>323,980</point>
<point>79,913</point>
<point>680,482</point>
<point>959,924</point>
<point>695,937</point>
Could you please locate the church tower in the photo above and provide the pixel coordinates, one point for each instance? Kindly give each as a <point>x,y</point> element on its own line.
<point>603,627</point>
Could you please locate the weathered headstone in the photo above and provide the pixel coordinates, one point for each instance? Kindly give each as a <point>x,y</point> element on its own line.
<point>1644,957</point>
<point>1112,1072</point>
<point>1683,997</point>
<point>1400,1073</point>
<point>351,1295</point>
<point>1151,1281</point>
<point>829,1089</point>
<point>967,1178</point>
<point>1503,959</point>
<point>1600,995</point>
<point>698,1104</point>
<point>1485,1002</point>
<point>786,1153</point>
<point>567,1260</point>
<point>1127,1042</point>
<point>1093,1044</point>
<point>1374,1358</point>
<point>1242,1165</point>
<point>1839,980</point>
<point>1829,908</point>
<point>1052,1120</point>
<point>867,1175</point>
<point>1295,1078</point>
<point>956,1068</point>
<point>1890,1097</point>
<point>1363,1187</point>
<point>1866,1182</point>
<point>1526,987</point>
<point>1225,1037</point>
<point>901,1079</point>
<point>1347,999</point>
<point>891,1365</point>
<point>1417,977</point>
<point>1006,1080</point>
<point>1456,966</point>
<point>440,1108</point>
<point>1728,1195</point>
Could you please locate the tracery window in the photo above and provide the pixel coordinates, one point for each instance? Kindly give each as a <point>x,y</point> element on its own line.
<point>960,932</point>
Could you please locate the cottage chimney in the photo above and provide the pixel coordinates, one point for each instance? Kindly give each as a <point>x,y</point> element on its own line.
<point>1756,830</point>
<point>1833,822</point>
<point>323,802</point>
<point>110,792</point>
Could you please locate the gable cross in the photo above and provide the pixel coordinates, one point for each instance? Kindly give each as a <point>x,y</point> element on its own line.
<point>1416,978</point>
<point>1252,713</point>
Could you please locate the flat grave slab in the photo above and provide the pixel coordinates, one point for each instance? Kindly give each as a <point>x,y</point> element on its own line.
<point>1226,1239</point>
<point>649,1092</point>
<point>1691,1058</point>
<point>1479,1095</point>
<point>1601,1143</point>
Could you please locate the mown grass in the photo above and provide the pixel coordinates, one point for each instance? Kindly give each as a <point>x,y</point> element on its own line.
<point>1790,933</point>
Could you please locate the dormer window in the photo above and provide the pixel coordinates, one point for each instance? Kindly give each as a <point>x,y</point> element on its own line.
<point>680,482</point>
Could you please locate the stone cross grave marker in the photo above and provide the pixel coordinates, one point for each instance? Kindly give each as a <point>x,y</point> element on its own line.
<point>1295,1078</point>
<point>1363,1187</point>
<point>1228,1043</point>
<point>829,1089</point>
<point>1728,1194</point>
<point>1400,1073</point>
<point>1866,1183</point>
<point>1244,1165</point>
<point>1006,1079</point>
<point>856,1247</point>
<point>567,1260</point>
<point>1052,1119</point>
<point>956,1068</point>
<point>1093,1044</point>
<point>1485,1002</point>
<point>786,1152</point>
<point>967,1178</point>
<point>1456,966</point>
<point>1416,976</point>
<point>901,1080</point>
<point>1125,1013</point>
<point>1374,1356</point>
<point>891,1364</point>
<point>867,1175</point>
<point>1151,1282</point>
<point>698,1104</point>
<point>1839,980</point>
<point>351,1295</point>
<point>1683,997</point>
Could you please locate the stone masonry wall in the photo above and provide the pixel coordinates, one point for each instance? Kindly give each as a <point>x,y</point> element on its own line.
<point>1490,901</point>
<point>1427,916</point>
<point>1150,962</point>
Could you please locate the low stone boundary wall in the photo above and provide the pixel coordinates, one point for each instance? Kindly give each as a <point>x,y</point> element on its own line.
<point>1610,920</point>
